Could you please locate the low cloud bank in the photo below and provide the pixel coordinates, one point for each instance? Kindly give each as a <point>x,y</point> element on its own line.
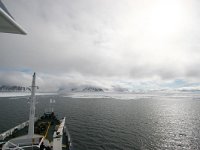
<point>76,81</point>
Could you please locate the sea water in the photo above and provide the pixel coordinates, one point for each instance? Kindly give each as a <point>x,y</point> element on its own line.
<point>106,123</point>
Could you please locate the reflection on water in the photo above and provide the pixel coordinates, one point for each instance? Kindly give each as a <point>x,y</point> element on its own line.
<point>154,123</point>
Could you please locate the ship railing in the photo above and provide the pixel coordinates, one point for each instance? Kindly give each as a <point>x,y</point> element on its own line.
<point>11,131</point>
<point>16,146</point>
<point>8,133</point>
<point>22,143</point>
<point>20,147</point>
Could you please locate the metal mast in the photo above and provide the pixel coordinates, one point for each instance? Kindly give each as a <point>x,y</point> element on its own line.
<point>32,108</point>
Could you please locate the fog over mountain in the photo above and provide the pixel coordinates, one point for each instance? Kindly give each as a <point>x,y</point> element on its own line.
<point>117,45</point>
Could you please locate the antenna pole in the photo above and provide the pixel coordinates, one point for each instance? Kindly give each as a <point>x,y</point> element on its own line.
<point>32,108</point>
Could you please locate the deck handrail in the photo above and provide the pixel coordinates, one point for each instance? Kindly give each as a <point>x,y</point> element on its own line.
<point>10,131</point>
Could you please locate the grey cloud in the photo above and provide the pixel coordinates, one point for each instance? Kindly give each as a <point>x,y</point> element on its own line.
<point>15,78</point>
<point>100,42</point>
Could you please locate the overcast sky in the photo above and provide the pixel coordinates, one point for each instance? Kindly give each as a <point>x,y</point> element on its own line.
<point>131,44</point>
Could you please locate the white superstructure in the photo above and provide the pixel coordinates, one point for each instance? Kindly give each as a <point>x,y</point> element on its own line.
<point>7,22</point>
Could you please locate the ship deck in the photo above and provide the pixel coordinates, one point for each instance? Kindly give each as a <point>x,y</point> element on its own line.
<point>45,128</point>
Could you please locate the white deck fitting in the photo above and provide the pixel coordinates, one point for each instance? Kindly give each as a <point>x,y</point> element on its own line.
<point>57,136</point>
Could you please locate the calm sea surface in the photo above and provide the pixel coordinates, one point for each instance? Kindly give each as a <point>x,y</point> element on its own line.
<point>111,124</point>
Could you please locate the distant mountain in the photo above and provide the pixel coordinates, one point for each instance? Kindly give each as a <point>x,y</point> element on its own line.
<point>81,89</point>
<point>14,88</point>
<point>92,89</point>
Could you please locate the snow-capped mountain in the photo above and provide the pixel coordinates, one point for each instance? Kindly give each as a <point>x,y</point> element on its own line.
<point>81,89</point>
<point>6,88</point>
